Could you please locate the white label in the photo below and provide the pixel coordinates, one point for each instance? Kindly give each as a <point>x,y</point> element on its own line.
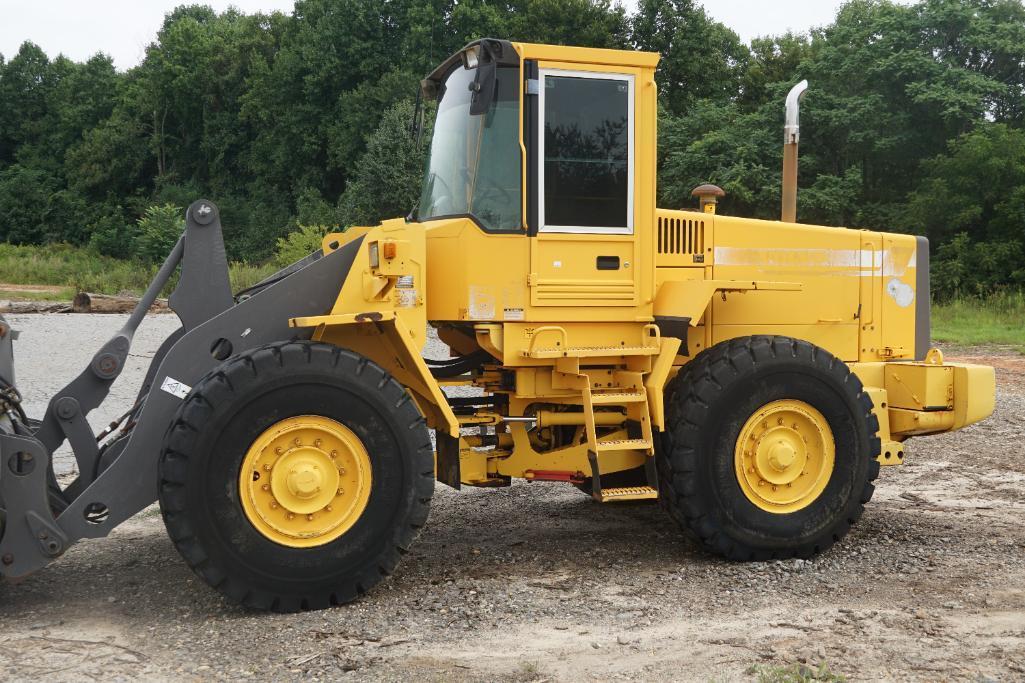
<point>175,388</point>
<point>556,264</point>
<point>405,298</point>
<point>514,314</point>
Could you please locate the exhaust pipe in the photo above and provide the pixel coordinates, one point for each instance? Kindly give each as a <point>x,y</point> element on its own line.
<point>791,136</point>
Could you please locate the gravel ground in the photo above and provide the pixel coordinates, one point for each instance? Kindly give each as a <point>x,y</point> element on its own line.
<point>537,582</point>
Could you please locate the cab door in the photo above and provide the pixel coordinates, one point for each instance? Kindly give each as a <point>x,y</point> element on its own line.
<point>584,246</point>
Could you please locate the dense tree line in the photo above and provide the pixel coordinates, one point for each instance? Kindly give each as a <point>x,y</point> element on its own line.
<point>914,121</point>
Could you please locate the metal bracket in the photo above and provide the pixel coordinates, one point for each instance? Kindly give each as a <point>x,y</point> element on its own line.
<point>204,289</point>
<point>31,535</point>
<point>592,458</point>
<point>80,435</point>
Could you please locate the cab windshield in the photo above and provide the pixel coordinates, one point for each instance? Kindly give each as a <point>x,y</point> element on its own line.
<point>474,163</point>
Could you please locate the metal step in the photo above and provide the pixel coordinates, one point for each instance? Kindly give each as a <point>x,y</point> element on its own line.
<point>624,445</point>
<point>591,351</point>
<point>628,493</point>
<point>618,398</point>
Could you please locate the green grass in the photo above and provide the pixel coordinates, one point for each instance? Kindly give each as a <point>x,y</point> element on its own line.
<point>58,294</point>
<point>998,319</point>
<point>794,673</point>
<point>79,269</point>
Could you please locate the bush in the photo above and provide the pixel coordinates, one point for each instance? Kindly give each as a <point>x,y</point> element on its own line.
<point>111,236</point>
<point>963,267</point>
<point>158,231</point>
<point>298,244</point>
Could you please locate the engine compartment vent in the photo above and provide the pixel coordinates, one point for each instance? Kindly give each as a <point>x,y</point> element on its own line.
<point>680,235</point>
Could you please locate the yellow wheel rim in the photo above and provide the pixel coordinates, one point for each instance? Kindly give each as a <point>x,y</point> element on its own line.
<point>305,481</point>
<point>784,456</point>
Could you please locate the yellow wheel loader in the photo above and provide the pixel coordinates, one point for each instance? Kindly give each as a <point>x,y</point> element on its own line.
<point>751,376</point>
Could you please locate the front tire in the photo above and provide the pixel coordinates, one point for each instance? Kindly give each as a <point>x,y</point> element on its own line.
<point>769,450</point>
<point>295,475</point>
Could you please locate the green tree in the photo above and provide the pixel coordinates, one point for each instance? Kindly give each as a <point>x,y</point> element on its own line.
<point>157,232</point>
<point>701,58</point>
<point>387,179</point>
<point>24,200</point>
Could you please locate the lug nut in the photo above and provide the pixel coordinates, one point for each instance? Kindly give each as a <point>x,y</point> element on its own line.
<point>273,506</point>
<point>317,443</point>
<point>277,450</point>
<point>341,471</point>
<point>297,442</point>
<point>327,508</point>
<point>266,468</point>
<point>291,515</point>
<point>309,518</point>
<point>265,487</point>
<point>334,454</point>
<point>341,492</point>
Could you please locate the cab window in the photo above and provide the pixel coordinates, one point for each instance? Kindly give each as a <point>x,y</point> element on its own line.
<point>586,152</point>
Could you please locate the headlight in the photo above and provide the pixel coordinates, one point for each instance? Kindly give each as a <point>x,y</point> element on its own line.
<point>375,256</point>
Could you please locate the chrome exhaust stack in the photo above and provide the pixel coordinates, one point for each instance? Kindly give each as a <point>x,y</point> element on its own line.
<point>791,137</point>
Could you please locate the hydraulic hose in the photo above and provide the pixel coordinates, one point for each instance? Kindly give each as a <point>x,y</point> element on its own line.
<point>457,366</point>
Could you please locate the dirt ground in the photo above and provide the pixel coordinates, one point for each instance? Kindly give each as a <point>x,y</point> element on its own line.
<point>537,582</point>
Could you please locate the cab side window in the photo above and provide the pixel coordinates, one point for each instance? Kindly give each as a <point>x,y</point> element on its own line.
<point>586,154</point>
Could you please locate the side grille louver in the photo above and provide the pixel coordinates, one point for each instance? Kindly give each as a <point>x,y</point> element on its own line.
<point>680,236</point>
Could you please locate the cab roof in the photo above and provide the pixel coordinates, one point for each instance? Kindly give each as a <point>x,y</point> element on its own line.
<point>509,53</point>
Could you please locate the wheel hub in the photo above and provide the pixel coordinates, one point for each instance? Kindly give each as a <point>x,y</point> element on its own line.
<point>305,481</point>
<point>784,456</point>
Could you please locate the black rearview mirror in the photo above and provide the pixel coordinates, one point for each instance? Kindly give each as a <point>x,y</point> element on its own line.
<point>483,86</point>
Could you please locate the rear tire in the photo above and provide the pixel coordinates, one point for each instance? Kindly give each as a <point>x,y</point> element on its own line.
<point>230,412</point>
<point>724,395</point>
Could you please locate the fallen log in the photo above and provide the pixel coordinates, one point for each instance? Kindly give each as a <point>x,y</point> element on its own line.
<point>84,302</point>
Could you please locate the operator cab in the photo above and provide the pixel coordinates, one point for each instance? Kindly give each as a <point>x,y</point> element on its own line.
<point>544,142</point>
